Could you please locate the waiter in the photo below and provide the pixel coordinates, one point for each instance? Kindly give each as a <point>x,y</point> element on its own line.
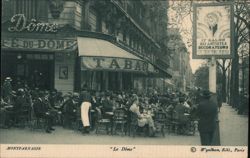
<point>85,98</point>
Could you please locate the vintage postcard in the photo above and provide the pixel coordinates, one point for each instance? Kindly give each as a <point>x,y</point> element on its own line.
<point>124,78</point>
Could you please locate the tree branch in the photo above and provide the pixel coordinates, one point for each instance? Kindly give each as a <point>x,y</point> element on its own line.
<point>229,64</point>
<point>243,20</point>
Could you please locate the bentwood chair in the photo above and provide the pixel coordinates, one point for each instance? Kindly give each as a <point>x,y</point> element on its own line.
<point>160,120</point>
<point>119,119</point>
<point>23,116</point>
<point>103,123</point>
<point>37,121</point>
<point>135,128</point>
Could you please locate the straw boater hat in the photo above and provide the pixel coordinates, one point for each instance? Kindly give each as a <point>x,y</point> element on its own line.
<point>8,79</point>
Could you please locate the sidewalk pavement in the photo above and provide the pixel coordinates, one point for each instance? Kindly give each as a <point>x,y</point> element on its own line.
<point>233,127</point>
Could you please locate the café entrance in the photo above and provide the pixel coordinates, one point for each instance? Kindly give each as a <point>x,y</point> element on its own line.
<point>35,69</point>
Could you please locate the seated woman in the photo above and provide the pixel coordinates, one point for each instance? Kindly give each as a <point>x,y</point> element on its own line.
<point>143,118</point>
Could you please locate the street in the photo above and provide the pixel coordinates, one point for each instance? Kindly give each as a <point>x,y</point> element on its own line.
<point>233,132</point>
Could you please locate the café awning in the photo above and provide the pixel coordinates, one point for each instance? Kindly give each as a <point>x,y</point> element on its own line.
<point>98,54</point>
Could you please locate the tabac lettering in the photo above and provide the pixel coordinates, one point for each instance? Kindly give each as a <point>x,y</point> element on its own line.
<point>114,63</point>
<point>138,66</point>
<point>128,64</point>
<point>98,62</point>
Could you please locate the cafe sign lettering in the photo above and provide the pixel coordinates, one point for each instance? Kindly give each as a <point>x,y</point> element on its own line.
<point>20,23</point>
<point>116,64</point>
<point>39,44</point>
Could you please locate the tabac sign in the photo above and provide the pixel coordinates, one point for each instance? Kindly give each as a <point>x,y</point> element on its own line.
<point>116,64</point>
<point>213,30</point>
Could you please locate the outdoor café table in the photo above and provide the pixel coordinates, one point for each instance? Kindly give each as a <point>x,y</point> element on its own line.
<point>109,113</point>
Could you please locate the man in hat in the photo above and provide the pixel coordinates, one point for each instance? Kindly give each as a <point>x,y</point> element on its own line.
<point>181,110</point>
<point>69,109</point>
<point>43,110</point>
<point>207,114</point>
<point>107,103</point>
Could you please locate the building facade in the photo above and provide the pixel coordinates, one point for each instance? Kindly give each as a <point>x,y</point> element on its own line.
<point>182,73</point>
<point>65,44</point>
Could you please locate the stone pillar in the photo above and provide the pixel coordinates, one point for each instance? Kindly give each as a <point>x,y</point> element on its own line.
<point>212,75</point>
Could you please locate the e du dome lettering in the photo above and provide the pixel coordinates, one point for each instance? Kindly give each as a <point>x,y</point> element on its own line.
<point>21,23</point>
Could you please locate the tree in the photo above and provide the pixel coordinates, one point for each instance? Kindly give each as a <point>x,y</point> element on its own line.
<point>242,25</point>
<point>224,64</point>
<point>201,77</point>
<point>241,13</point>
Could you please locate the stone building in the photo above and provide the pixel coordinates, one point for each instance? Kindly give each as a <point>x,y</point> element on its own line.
<point>65,44</point>
<point>182,72</point>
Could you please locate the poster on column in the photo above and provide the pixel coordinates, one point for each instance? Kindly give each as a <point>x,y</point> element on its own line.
<point>213,30</point>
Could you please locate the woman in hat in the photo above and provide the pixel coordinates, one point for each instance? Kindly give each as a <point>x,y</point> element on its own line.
<point>143,119</point>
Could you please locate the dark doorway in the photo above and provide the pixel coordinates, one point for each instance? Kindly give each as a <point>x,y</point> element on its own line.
<point>36,72</point>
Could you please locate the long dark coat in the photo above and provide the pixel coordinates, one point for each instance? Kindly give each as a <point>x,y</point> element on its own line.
<point>207,114</point>
<point>180,110</point>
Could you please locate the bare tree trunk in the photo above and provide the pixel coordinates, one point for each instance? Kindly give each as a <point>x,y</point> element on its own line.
<point>228,85</point>
<point>223,88</point>
<point>234,88</point>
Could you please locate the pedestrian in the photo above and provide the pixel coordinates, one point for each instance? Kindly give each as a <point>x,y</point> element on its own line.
<point>85,99</point>
<point>219,100</point>
<point>181,116</point>
<point>207,115</point>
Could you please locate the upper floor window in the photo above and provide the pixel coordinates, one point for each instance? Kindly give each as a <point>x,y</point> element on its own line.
<point>26,7</point>
<point>92,19</point>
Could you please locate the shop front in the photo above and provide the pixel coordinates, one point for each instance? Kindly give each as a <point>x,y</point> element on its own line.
<point>105,66</point>
<point>43,61</point>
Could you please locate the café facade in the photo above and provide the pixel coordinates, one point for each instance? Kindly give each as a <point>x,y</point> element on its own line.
<point>47,56</point>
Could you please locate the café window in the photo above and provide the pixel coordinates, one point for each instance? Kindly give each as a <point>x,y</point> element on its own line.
<point>26,7</point>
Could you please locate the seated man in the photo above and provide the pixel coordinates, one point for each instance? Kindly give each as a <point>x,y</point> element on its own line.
<point>43,110</point>
<point>69,109</point>
<point>22,105</point>
<point>143,118</point>
<point>107,104</point>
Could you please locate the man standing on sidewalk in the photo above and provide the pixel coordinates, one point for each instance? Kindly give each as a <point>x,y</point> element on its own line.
<point>207,114</point>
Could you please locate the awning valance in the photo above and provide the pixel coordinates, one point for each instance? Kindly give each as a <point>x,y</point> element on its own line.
<point>98,54</point>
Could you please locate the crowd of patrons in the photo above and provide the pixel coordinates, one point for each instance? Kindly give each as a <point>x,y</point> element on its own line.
<point>64,109</point>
